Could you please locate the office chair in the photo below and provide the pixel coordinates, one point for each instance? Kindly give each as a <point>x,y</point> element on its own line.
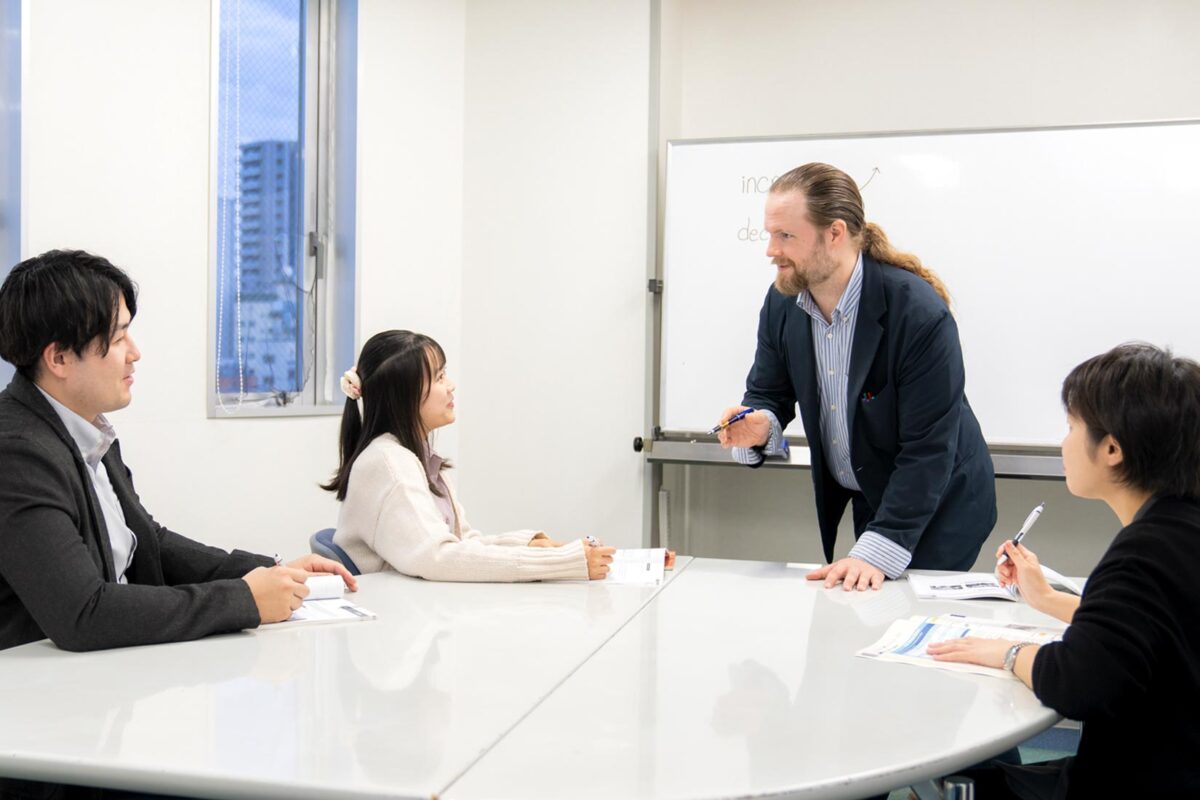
<point>322,544</point>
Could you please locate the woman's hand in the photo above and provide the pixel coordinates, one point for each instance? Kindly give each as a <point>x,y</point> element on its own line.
<point>1023,569</point>
<point>598,559</point>
<point>970,650</point>
<point>542,540</point>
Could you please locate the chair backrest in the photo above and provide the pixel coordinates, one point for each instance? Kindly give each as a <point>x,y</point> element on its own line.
<point>322,544</point>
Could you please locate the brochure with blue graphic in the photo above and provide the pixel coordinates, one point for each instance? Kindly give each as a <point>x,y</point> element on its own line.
<point>906,640</point>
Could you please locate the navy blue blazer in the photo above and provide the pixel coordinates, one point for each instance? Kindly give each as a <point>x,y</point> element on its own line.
<point>915,445</point>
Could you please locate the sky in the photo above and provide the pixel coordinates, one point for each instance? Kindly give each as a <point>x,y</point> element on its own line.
<point>260,76</point>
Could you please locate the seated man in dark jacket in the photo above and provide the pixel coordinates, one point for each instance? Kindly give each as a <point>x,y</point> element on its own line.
<point>1129,664</point>
<point>81,561</point>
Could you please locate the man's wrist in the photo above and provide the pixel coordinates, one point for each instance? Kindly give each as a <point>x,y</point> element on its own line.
<point>775,445</point>
<point>881,553</point>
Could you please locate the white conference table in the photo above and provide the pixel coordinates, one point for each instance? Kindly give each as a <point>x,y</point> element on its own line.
<point>740,680</point>
<point>735,679</point>
<point>398,706</point>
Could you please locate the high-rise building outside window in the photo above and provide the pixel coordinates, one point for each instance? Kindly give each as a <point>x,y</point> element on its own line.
<point>278,319</point>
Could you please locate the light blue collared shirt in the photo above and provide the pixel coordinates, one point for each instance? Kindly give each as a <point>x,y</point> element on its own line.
<point>93,441</point>
<point>833,340</point>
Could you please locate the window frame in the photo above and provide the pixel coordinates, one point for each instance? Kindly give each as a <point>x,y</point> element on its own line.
<point>326,332</point>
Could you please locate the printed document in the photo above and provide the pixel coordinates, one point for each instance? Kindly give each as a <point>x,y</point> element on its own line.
<point>638,567</point>
<point>975,585</point>
<point>906,640</point>
<point>961,586</point>
<point>325,604</point>
<point>315,611</point>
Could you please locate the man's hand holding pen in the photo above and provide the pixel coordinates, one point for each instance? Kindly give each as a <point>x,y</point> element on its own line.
<point>751,430</point>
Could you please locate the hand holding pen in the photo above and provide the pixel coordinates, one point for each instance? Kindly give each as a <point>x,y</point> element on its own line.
<point>742,427</point>
<point>1017,566</point>
<point>1029,522</point>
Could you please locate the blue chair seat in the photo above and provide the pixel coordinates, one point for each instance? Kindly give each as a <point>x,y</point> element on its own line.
<point>322,544</point>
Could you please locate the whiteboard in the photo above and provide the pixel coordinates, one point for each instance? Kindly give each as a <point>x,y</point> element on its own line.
<point>1056,244</point>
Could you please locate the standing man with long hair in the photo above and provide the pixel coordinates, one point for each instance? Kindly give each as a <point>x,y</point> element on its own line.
<point>861,337</point>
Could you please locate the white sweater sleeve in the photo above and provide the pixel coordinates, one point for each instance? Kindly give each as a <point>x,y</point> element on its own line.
<point>411,535</point>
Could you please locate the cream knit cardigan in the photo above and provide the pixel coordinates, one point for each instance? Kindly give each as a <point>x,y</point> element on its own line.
<point>389,521</point>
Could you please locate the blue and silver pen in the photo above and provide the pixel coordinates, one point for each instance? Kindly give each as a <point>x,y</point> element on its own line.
<point>731,420</point>
<point>1032,518</point>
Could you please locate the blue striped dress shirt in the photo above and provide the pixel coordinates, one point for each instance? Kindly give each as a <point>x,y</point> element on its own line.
<point>832,343</point>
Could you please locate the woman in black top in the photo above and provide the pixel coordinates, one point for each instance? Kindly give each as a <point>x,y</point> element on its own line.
<point>1128,666</point>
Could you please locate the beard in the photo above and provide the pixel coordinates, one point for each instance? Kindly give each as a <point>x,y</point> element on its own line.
<point>790,282</point>
<point>794,280</point>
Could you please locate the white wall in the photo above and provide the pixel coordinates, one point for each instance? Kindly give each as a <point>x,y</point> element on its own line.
<point>117,149</point>
<point>554,230</point>
<point>550,391</point>
<point>788,67</point>
<point>410,122</point>
<point>118,123</point>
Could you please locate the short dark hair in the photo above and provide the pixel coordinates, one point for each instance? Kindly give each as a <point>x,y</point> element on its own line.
<point>396,369</point>
<point>65,297</point>
<point>1148,400</point>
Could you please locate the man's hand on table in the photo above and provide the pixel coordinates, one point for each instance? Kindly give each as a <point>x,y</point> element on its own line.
<point>852,573</point>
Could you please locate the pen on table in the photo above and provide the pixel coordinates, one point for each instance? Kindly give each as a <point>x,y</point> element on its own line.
<point>731,420</point>
<point>1032,518</point>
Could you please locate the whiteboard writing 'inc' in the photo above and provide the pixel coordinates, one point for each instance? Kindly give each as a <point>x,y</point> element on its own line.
<point>1056,244</point>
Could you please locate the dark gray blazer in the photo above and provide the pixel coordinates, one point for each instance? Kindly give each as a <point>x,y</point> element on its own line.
<point>919,456</point>
<point>56,569</point>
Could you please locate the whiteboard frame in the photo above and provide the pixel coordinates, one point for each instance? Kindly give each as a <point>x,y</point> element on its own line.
<point>673,446</point>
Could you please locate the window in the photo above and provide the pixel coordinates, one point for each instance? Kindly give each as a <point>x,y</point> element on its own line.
<point>10,145</point>
<point>283,202</point>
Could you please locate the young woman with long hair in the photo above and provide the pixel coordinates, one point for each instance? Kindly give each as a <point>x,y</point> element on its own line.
<point>398,511</point>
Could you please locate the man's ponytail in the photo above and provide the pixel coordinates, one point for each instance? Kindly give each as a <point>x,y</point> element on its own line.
<point>876,245</point>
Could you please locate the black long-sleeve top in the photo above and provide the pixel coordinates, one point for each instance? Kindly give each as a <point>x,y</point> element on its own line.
<point>1128,666</point>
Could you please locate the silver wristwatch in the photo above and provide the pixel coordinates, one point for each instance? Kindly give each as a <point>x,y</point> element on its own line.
<point>1010,658</point>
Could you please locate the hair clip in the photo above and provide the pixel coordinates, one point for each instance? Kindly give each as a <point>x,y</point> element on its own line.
<point>351,385</point>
